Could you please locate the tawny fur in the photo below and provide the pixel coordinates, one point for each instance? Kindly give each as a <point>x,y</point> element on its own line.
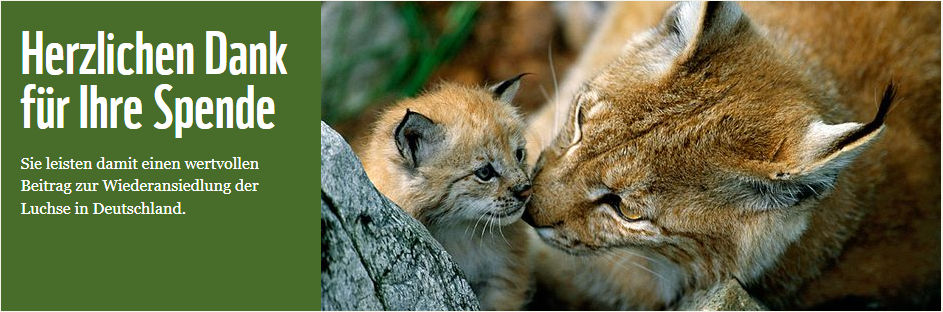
<point>443,194</point>
<point>707,141</point>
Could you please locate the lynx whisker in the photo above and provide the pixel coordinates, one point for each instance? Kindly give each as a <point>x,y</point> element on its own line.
<point>503,237</point>
<point>475,228</point>
<point>639,254</point>
<point>491,226</point>
<point>483,229</point>
<point>556,91</point>
<point>621,261</point>
<point>543,91</point>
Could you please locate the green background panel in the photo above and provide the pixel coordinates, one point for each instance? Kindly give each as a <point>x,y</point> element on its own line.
<point>241,251</point>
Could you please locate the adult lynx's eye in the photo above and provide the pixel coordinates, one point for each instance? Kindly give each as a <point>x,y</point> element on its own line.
<point>485,173</point>
<point>615,202</point>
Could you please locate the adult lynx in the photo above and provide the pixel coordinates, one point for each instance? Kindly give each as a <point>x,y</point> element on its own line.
<point>753,143</point>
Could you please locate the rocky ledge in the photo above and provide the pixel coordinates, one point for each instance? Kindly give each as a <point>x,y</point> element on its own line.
<point>373,255</point>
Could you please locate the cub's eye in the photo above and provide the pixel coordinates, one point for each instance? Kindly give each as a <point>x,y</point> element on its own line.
<point>615,202</point>
<point>519,154</point>
<point>485,173</point>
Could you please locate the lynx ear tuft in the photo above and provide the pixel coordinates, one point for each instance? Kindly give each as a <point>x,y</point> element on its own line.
<point>825,145</point>
<point>824,152</point>
<point>695,26</point>
<point>890,92</point>
<point>417,138</point>
<point>506,90</point>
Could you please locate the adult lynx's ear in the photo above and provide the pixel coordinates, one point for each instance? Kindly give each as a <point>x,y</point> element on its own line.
<point>693,27</point>
<point>821,156</point>
<point>417,138</point>
<point>506,90</point>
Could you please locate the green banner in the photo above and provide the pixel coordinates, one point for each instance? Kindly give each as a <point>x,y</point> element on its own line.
<point>139,177</point>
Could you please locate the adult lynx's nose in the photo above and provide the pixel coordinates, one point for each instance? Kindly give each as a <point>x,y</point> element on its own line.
<point>521,191</point>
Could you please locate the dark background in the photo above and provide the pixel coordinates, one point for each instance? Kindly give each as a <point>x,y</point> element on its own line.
<point>473,43</point>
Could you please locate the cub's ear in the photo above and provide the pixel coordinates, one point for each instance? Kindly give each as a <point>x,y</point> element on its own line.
<point>821,156</point>
<point>693,27</point>
<point>417,138</point>
<point>506,90</point>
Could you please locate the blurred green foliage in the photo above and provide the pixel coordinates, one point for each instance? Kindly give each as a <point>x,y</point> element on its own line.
<point>344,73</point>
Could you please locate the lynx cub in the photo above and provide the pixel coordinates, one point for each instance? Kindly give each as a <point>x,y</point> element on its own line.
<point>453,158</point>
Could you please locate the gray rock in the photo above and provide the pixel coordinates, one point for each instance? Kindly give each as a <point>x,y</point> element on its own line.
<point>373,255</point>
<point>726,296</point>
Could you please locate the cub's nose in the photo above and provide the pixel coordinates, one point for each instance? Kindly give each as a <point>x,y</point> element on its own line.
<point>521,191</point>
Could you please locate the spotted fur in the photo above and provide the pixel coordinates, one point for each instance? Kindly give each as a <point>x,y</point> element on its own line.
<point>736,144</point>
